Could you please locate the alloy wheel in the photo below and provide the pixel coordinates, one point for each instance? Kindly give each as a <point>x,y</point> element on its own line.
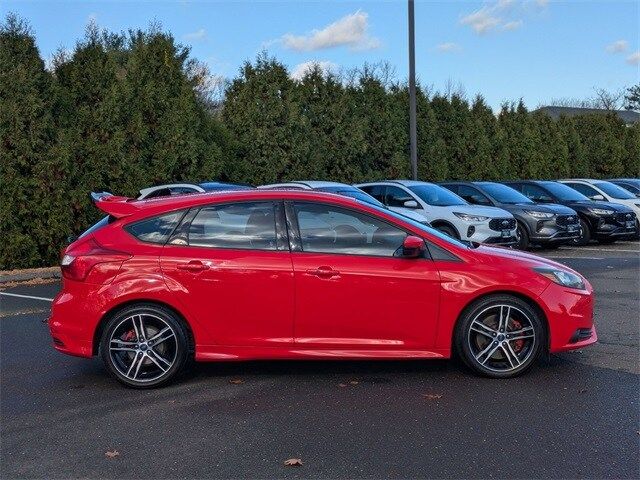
<point>143,347</point>
<point>501,338</point>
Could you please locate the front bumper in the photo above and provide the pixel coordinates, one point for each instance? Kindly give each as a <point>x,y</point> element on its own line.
<point>616,226</point>
<point>558,230</point>
<point>570,316</point>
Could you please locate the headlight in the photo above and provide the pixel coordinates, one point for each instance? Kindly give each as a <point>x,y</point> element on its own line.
<point>537,214</point>
<point>470,218</point>
<point>600,211</point>
<point>562,277</point>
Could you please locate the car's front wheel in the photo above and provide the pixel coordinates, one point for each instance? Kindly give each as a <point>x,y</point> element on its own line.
<point>500,336</point>
<point>144,346</point>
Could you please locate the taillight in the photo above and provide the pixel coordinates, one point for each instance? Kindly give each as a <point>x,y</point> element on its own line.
<point>91,262</point>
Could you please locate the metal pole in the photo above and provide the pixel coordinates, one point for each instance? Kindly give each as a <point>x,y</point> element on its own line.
<point>412,94</point>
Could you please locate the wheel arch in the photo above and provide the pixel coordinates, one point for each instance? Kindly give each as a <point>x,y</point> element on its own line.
<point>121,306</point>
<point>529,300</point>
<point>441,221</point>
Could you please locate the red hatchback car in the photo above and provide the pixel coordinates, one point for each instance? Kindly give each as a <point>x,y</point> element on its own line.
<point>295,274</point>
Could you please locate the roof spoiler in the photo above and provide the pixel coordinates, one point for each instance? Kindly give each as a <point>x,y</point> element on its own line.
<point>114,205</point>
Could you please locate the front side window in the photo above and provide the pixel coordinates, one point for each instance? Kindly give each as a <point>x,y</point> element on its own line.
<point>473,195</point>
<point>536,193</point>
<point>564,192</point>
<point>504,194</point>
<point>396,197</point>
<point>155,229</point>
<point>240,225</point>
<point>586,190</point>
<point>332,229</point>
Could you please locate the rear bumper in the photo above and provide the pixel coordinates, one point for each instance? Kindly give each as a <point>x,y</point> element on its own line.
<point>71,324</point>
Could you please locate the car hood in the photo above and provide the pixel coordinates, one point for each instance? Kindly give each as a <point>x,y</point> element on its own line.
<point>492,212</point>
<point>518,255</point>
<point>604,205</point>
<point>538,207</point>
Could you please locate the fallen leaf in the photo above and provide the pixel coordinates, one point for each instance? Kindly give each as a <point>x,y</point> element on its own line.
<point>236,381</point>
<point>111,453</point>
<point>293,462</point>
<point>342,385</point>
<point>354,382</point>
<point>432,396</point>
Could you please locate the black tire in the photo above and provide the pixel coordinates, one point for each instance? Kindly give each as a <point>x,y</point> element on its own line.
<point>585,238</point>
<point>447,230</point>
<point>506,358</point>
<point>523,237</point>
<point>153,359</point>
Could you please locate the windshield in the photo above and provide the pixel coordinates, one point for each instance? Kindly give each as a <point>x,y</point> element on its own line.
<point>614,191</point>
<point>425,228</point>
<point>436,195</point>
<point>353,193</point>
<point>564,193</point>
<point>504,194</point>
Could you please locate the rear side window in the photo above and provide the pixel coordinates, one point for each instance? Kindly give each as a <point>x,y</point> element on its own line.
<point>155,229</point>
<point>241,225</point>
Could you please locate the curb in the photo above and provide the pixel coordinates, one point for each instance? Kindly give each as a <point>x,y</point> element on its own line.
<point>29,274</point>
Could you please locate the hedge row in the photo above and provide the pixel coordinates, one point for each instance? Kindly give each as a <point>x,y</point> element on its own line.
<point>125,111</point>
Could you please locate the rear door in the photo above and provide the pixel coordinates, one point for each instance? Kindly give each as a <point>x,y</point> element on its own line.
<point>231,264</point>
<point>352,290</point>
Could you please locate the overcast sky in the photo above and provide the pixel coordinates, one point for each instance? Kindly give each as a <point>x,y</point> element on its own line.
<point>504,49</point>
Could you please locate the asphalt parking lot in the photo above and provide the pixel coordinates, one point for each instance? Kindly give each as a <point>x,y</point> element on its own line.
<point>576,415</point>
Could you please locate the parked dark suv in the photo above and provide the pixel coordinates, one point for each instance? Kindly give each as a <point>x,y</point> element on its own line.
<point>603,221</point>
<point>549,225</point>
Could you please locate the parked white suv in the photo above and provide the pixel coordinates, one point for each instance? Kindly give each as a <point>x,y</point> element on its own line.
<point>604,191</point>
<point>445,210</point>
<point>339,189</point>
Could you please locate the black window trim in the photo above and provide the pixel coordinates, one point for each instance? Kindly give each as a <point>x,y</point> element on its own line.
<point>281,246</point>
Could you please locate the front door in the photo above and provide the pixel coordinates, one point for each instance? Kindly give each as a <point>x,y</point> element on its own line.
<point>352,290</point>
<point>233,270</point>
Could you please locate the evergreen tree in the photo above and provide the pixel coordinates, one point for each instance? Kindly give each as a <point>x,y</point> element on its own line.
<point>261,113</point>
<point>26,135</point>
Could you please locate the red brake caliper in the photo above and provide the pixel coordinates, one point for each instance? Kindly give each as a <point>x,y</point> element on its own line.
<point>518,344</point>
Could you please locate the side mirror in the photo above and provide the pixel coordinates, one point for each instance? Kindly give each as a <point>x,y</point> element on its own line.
<point>413,247</point>
<point>410,204</point>
<point>597,197</point>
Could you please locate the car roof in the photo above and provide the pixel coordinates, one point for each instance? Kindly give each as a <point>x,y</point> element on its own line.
<point>406,183</point>
<point>124,207</point>
<point>586,180</point>
<point>148,190</point>
<point>306,184</point>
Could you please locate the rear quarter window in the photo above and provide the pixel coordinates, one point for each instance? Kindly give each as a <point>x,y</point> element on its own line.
<point>155,229</point>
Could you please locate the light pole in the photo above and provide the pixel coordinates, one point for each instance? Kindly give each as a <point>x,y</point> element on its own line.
<point>412,94</point>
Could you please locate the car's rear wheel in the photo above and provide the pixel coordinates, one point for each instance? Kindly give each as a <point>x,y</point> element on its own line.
<point>500,336</point>
<point>144,346</point>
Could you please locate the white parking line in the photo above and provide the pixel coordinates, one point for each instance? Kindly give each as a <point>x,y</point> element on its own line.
<point>576,258</point>
<point>27,296</point>
<point>609,250</point>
